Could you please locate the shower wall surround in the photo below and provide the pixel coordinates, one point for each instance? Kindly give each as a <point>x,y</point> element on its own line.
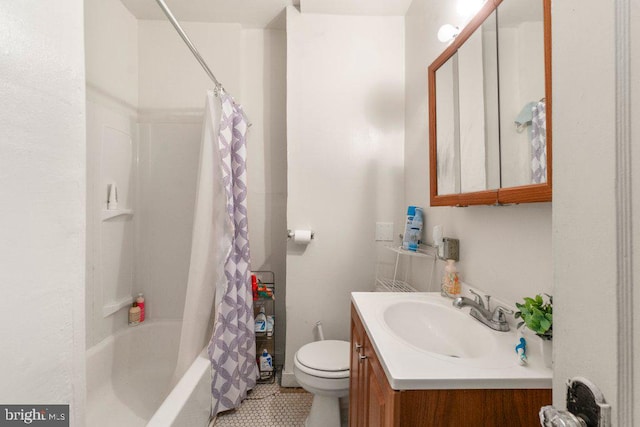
<point>111,38</point>
<point>250,63</point>
<point>168,159</point>
<point>143,81</point>
<point>111,148</point>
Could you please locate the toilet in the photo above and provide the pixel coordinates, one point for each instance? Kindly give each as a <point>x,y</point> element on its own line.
<point>322,368</point>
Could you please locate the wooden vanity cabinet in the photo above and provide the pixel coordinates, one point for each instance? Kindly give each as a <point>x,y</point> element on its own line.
<point>373,403</point>
<point>371,400</point>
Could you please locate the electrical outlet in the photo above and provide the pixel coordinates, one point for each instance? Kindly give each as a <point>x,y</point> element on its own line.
<point>384,231</point>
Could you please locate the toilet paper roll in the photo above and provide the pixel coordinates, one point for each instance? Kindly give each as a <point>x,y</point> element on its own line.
<point>302,237</point>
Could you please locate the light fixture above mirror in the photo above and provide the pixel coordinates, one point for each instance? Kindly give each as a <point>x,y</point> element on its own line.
<point>466,9</point>
<point>448,32</point>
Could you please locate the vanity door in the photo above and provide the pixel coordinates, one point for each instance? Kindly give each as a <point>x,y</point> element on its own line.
<point>356,380</point>
<point>380,398</point>
<point>372,402</point>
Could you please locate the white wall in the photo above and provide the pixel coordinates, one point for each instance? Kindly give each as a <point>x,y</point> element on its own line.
<point>171,78</point>
<point>634,19</point>
<point>506,251</point>
<point>111,50</point>
<point>42,160</point>
<point>111,39</point>
<point>263,96</point>
<point>345,115</point>
<point>634,59</point>
<point>585,263</point>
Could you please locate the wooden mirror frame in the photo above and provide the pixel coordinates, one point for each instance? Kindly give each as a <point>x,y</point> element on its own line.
<point>521,194</point>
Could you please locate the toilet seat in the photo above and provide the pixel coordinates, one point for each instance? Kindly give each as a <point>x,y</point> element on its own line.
<point>324,359</point>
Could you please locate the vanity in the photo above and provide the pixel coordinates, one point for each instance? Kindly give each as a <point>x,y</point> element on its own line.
<point>418,361</point>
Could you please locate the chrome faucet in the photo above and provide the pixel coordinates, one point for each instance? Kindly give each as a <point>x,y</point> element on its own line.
<point>495,319</point>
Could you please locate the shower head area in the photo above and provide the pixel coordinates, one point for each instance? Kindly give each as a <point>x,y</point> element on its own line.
<point>147,81</point>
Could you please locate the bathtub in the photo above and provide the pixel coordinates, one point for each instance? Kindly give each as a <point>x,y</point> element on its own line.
<point>129,376</point>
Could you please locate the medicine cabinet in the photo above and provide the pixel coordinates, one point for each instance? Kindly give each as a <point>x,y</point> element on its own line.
<point>490,109</point>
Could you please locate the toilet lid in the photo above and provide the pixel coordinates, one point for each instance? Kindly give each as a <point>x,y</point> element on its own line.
<point>327,355</point>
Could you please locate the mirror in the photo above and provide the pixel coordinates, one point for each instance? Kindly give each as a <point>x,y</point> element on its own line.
<point>521,68</point>
<point>488,95</point>
<point>447,128</point>
<point>478,99</point>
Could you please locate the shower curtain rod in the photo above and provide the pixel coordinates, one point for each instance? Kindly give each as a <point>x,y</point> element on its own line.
<point>188,42</point>
<point>191,46</point>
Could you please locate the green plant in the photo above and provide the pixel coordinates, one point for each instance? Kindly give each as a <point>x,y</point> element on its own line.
<point>537,315</point>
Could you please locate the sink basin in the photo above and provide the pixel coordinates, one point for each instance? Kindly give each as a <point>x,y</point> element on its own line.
<point>424,343</point>
<point>439,329</point>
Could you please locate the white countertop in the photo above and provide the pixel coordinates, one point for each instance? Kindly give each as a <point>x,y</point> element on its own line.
<point>411,368</point>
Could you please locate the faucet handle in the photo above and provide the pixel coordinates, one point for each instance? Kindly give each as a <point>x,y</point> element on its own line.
<point>500,313</point>
<point>478,298</point>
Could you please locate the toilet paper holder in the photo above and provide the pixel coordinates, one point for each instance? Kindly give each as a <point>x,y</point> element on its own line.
<point>292,233</point>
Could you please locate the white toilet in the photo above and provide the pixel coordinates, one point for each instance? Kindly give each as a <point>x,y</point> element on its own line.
<point>322,368</point>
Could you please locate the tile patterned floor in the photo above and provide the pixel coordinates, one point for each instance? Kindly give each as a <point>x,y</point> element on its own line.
<point>269,405</point>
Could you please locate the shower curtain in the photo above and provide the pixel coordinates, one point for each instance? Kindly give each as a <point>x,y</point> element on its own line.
<point>232,347</point>
<point>219,297</point>
<point>210,244</point>
<point>539,144</point>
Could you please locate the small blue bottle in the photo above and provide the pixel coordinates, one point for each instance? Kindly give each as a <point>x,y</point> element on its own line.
<point>413,228</point>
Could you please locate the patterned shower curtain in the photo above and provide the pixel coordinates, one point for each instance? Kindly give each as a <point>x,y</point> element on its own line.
<point>539,144</point>
<point>232,348</point>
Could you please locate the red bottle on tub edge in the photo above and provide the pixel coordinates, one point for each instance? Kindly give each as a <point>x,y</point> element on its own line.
<point>140,301</point>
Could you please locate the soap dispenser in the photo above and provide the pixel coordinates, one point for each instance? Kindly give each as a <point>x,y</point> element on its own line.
<point>450,280</point>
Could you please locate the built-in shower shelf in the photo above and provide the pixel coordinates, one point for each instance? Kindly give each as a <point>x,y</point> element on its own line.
<point>107,214</point>
<point>109,309</point>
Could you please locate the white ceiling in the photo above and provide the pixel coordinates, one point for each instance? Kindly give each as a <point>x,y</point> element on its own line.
<point>356,7</point>
<point>260,13</point>
<point>250,13</point>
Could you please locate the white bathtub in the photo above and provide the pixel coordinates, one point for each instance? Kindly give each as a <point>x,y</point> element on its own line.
<point>129,375</point>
